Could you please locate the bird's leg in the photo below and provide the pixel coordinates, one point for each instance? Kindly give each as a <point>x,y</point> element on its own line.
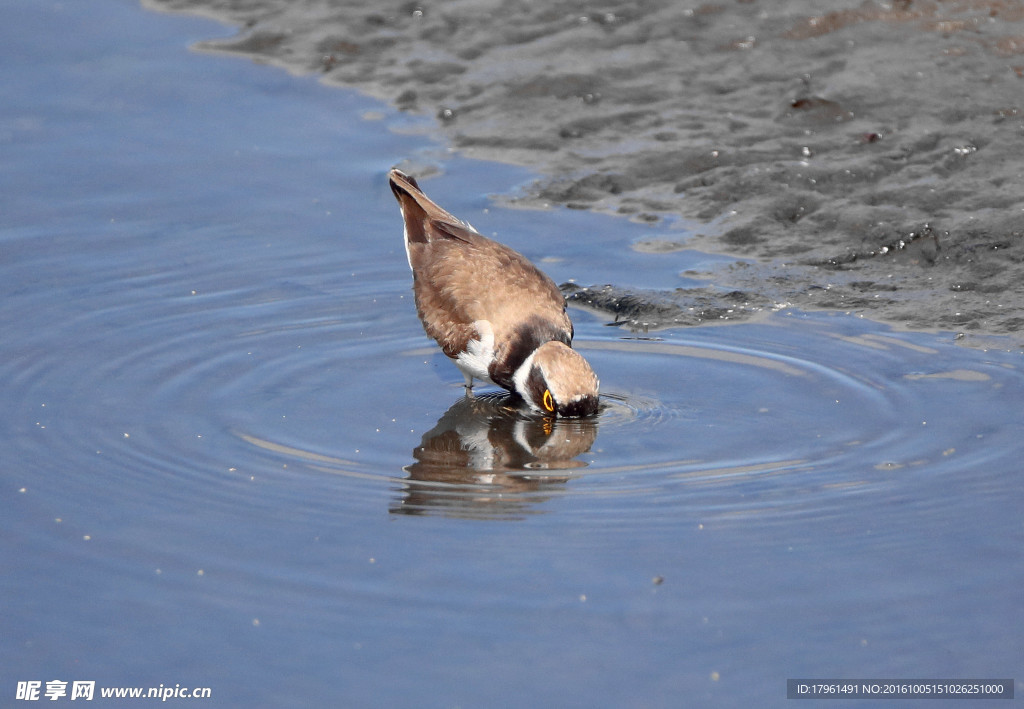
<point>468,385</point>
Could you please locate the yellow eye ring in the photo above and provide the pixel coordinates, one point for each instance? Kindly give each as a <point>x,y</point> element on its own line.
<point>548,401</point>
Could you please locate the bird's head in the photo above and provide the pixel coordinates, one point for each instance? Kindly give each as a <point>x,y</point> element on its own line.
<point>556,380</point>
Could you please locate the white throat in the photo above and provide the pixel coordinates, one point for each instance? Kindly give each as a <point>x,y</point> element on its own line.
<point>520,377</point>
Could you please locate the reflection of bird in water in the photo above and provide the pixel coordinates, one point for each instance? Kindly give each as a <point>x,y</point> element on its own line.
<point>486,458</point>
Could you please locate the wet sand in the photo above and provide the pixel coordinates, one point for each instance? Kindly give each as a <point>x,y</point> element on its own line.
<point>860,156</point>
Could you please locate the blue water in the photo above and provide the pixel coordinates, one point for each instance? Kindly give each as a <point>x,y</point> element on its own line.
<point>224,462</point>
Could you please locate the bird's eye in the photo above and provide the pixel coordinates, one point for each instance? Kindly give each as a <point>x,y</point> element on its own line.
<point>548,401</point>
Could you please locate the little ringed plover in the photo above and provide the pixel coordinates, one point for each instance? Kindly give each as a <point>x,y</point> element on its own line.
<point>493,312</point>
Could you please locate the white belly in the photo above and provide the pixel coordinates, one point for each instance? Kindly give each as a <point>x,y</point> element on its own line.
<point>479,354</point>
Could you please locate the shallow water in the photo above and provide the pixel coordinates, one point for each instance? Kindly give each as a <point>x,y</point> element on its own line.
<point>234,461</point>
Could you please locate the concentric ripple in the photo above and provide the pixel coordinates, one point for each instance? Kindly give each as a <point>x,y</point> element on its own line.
<point>738,420</point>
<point>798,416</point>
<point>313,379</point>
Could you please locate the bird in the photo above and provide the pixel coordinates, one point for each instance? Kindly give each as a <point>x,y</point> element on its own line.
<point>496,315</point>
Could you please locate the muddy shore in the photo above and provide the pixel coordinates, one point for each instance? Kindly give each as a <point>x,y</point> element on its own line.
<point>861,156</point>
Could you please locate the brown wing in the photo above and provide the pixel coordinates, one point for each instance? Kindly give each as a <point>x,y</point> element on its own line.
<point>461,276</point>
